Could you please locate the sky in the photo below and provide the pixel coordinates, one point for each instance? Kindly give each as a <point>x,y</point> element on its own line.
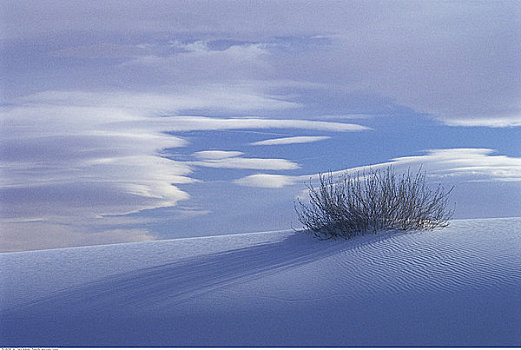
<point>130,121</point>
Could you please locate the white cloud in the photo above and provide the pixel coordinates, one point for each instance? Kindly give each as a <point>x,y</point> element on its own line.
<point>231,160</point>
<point>71,160</point>
<point>344,116</point>
<point>187,123</point>
<point>217,154</point>
<point>290,140</point>
<point>267,180</point>
<point>474,163</point>
<point>490,121</point>
<point>465,164</point>
<point>248,163</point>
<point>240,97</point>
<point>71,154</point>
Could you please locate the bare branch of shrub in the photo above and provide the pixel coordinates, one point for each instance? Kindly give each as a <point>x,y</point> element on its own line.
<point>373,201</point>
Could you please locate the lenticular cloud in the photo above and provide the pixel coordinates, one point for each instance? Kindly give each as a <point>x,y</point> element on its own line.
<point>54,155</point>
<point>468,164</point>
<point>290,140</point>
<point>85,153</point>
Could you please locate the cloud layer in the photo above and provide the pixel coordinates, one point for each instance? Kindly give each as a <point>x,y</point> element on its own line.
<point>58,149</point>
<point>71,155</point>
<point>457,61</point>
<point>231,160</point>
<point>290,140</point>
<point>467,164</point>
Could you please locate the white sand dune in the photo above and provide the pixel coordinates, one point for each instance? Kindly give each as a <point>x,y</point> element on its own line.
<point>457,286</point>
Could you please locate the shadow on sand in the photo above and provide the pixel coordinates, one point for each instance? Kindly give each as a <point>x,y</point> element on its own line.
<point>177,281</point>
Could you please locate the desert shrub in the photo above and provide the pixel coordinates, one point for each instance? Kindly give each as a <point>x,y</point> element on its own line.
<point>373,201</point>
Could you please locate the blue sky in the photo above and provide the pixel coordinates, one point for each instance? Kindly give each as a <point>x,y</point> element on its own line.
<point>130,121</point>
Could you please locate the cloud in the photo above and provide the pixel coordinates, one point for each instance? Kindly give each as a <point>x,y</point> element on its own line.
<point>217,97</point>
<point>216,155</point>
<point>188,123</point>
<point>235,17</point>
<point>71,160</point>
<point>199,61</point>
<point>267,180</point>
<point>345,116</point>
<point>72,156</point>
<point>86,137</point>
<point>231,160</point>
<point>101,50</point>
<point>456,61</point>
<point>490,121</point>
<point>248,163</point>
<point>290,140</point>
<point>476,164</point>
<point>464,164</point>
